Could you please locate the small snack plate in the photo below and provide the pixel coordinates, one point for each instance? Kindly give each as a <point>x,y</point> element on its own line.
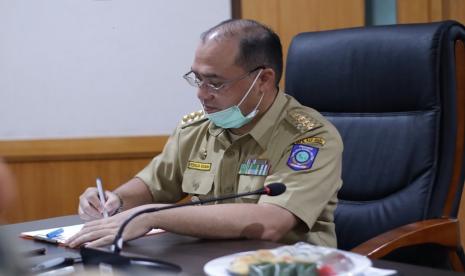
<point>219,266</point>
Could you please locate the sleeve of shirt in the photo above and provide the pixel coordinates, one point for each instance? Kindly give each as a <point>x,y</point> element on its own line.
<point>163,174</point>
<point>311,193</point>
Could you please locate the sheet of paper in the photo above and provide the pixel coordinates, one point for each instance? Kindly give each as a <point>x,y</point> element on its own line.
<point>68,232</point>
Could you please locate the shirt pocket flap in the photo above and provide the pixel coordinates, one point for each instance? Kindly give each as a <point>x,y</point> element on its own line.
<point>199,183</point>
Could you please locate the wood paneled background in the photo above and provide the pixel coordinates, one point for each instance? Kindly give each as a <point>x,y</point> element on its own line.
<point>51,174</point>
<point>416,11</point>
<point>288,18</point>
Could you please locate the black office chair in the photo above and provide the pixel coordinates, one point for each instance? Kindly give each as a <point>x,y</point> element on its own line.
<point>397,96</point>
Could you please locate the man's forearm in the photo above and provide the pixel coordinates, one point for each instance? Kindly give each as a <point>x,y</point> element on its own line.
<point>253,221</point>
<point>134,193</point>
<point>221,221</point>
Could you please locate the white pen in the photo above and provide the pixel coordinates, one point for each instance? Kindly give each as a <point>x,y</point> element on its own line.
<point>101,195</point>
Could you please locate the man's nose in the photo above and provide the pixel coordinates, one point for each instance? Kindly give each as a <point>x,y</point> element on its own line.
<point>203,93</point>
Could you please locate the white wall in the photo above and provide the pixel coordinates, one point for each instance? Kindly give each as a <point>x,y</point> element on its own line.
<point>90,68</point>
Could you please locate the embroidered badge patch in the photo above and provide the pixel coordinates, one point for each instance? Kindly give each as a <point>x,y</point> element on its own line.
<point>199,166</point>
<point>302,157</point>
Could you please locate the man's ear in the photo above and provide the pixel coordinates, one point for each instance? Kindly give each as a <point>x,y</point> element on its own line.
<point>267,79</point>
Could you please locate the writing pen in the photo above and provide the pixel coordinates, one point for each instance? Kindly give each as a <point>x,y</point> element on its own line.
<point>55,263</point>
<point>54,233</point>
<point>101,195</point>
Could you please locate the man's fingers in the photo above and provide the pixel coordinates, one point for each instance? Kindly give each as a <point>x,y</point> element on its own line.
<point>90,205</point>
<point>88,209</point>
<point>87,235</point>
<point>112,203</point>
<point>102,231</point>
<point>102,241</point>
<point>94,201</point>
<point>83,215</point>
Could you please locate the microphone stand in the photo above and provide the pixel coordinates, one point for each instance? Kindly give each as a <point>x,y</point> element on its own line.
<point>91,256</point>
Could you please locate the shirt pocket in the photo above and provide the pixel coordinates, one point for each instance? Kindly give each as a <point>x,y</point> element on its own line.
<point>198,183</point>
<point>250,183</point>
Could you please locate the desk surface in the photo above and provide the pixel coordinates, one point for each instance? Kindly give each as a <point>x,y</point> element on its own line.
<point>190,253</point>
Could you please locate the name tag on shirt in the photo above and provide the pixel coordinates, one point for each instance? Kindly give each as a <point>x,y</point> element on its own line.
<point>255,167</point>
<point>199,166</point>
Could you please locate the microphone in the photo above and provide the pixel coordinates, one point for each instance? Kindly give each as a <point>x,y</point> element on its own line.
<point>92,256</point>
<point>274,189</point>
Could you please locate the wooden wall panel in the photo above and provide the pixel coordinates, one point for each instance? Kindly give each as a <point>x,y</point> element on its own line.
<point>51,174</point>
<point>454,9</point>
<point>419,11</point>
<point>289,18</point>
<point>51,188</point>
<point>412,11</point>
<point>75,149</point>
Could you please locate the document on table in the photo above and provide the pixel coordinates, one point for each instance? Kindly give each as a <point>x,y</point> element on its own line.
<point>68,232</point>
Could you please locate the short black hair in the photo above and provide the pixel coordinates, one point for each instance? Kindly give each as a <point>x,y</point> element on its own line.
<point>259,45</point>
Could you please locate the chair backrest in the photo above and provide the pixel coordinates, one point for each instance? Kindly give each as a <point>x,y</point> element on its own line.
<point>391,91</point>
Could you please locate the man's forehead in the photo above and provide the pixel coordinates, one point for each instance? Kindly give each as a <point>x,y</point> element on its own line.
<point>213,56</point>
<point>216,42</point>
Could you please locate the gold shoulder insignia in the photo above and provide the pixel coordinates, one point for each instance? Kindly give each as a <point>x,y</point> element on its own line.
<point>303,122</point>
<point>193,117</point>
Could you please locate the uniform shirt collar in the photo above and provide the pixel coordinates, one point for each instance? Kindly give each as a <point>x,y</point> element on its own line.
<point>262,131</point>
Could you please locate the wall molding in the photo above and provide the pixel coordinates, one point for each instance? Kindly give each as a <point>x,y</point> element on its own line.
<point>82,149</point>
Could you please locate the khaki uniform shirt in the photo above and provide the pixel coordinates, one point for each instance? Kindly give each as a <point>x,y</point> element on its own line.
<point>291,144</point>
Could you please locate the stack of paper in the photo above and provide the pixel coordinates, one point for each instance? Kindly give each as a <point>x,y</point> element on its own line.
<point>68,232</point>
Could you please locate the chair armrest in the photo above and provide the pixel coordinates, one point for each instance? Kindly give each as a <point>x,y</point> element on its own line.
<point>442,231</point>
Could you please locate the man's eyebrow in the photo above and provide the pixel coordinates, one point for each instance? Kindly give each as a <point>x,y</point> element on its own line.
<point>207,75</point>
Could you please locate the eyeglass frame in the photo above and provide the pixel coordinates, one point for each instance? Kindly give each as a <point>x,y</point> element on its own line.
<point>216,89</point>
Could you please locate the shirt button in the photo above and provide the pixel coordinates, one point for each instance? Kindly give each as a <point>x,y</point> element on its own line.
<point>203,154</point>
<point>228,189</point>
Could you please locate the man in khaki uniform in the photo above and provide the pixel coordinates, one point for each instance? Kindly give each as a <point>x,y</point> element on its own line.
<point>247,135</point>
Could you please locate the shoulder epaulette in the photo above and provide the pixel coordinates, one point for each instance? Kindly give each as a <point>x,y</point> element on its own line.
<point>193,117</point>
<point>303,121</point>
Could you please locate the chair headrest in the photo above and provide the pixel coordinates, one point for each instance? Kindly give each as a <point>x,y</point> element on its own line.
<point>393,68</point>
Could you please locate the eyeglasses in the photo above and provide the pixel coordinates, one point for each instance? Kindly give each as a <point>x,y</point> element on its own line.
<point>192,79</point>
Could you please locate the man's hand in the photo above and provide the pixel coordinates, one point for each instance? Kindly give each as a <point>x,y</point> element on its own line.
<point>103,231</point>
<point>90,207</point>
<point>218,221</point>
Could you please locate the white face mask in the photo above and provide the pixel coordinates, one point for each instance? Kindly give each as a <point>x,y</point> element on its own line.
<point>232,116</point>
